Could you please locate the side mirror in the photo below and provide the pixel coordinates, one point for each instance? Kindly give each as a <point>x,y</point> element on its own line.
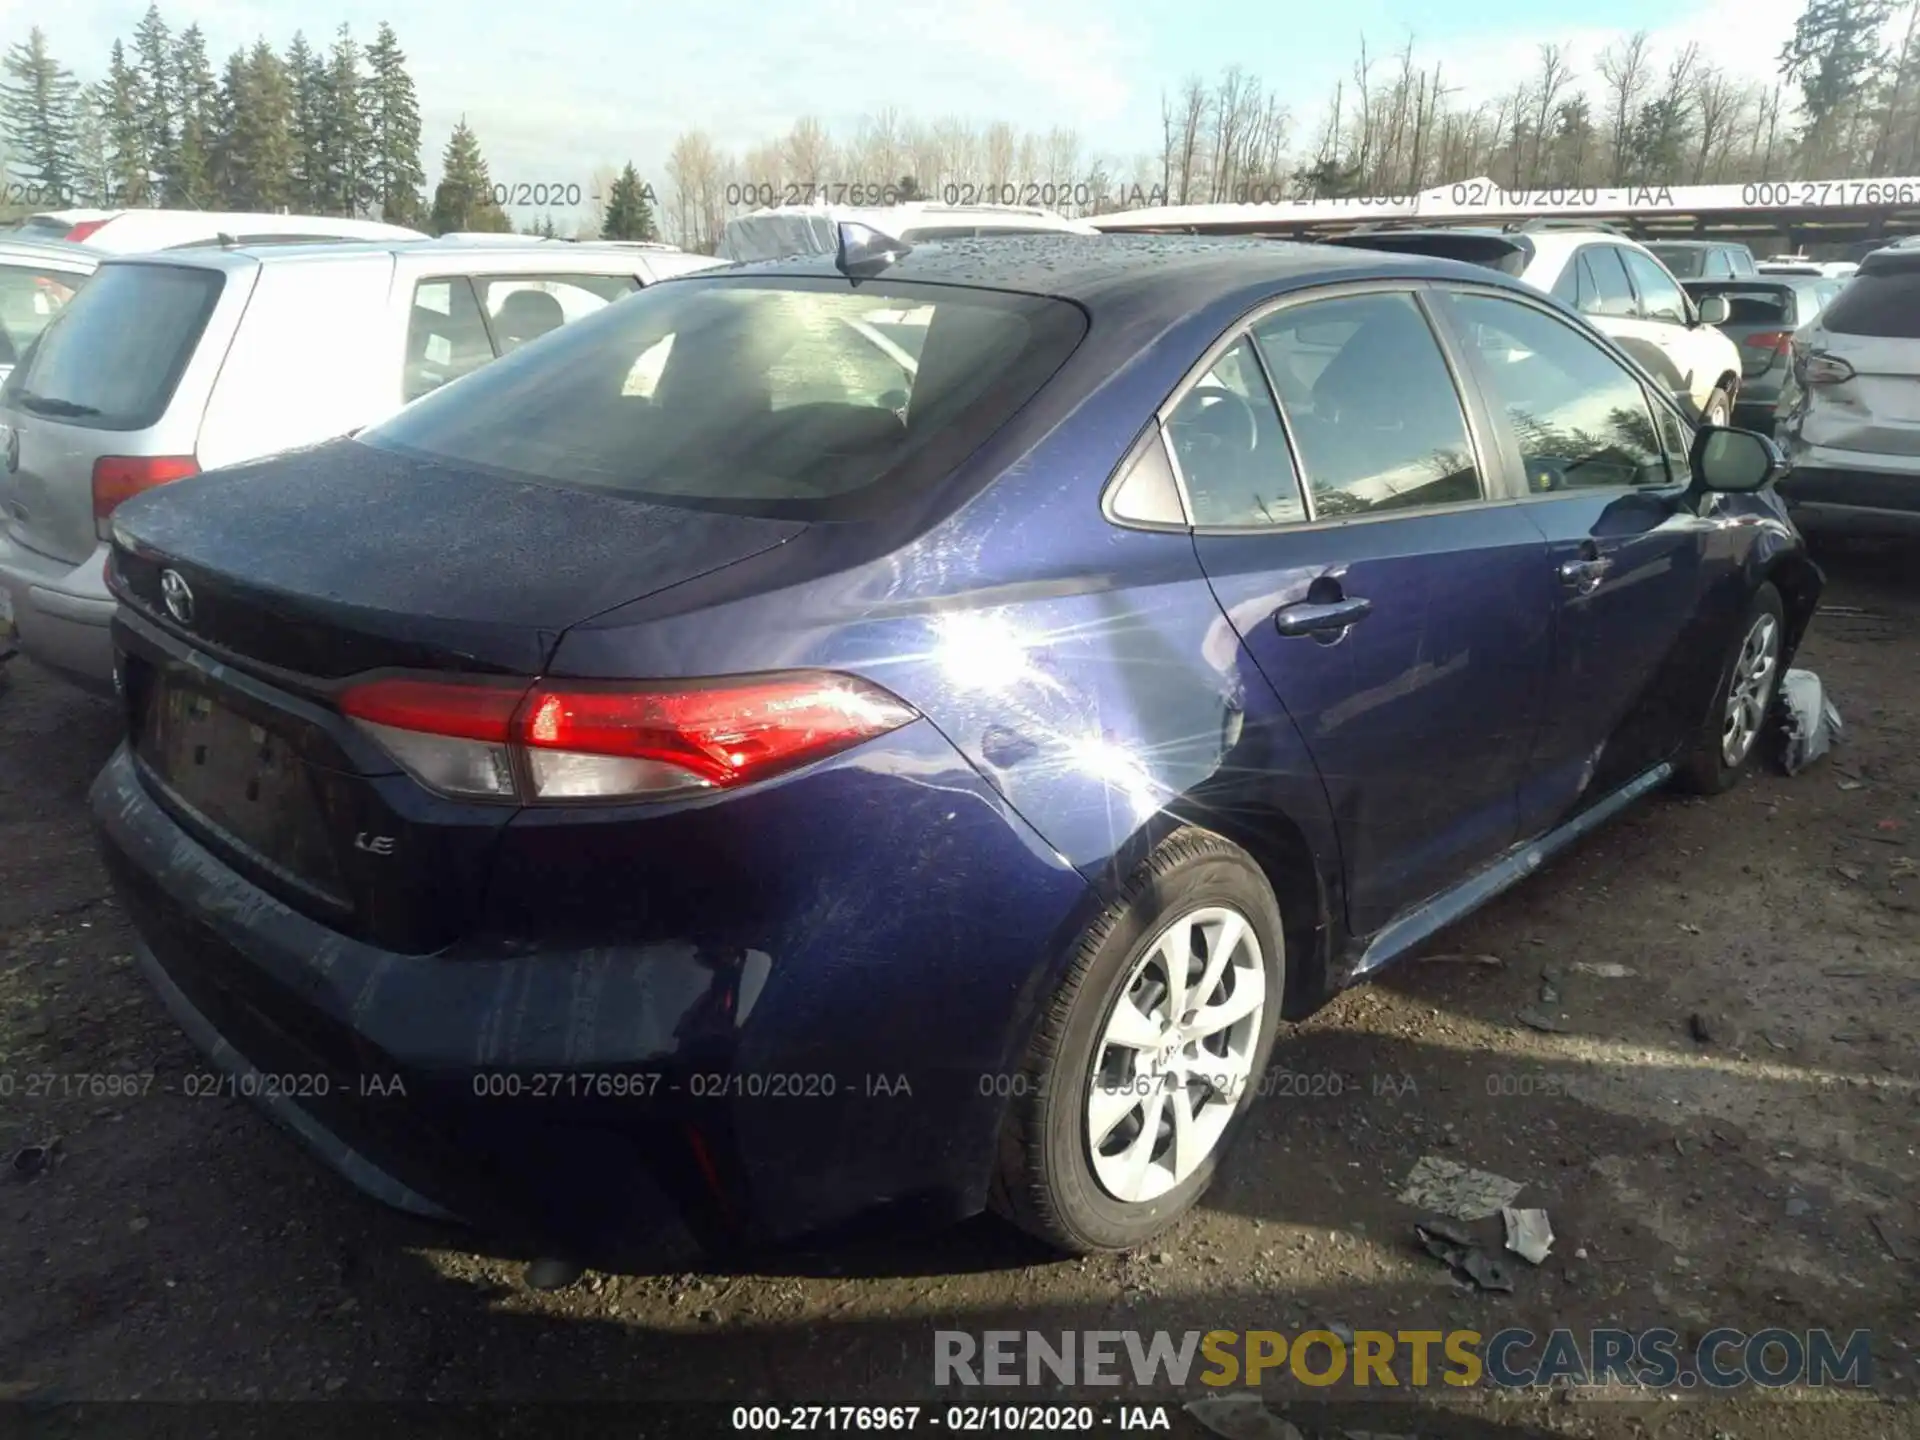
<point>1713,309</point>
<point>1738,461</point>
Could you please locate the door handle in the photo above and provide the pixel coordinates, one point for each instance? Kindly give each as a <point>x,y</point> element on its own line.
<point>1311,618</point>
<point>1583,577</point>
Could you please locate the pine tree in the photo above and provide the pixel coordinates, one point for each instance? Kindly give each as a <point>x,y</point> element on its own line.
<point>1836,56</point>
<point>464,199</point>
<point>191,183</point>
<point>228,100</point>
<point>260,149</point>
<point>629,214</point>
<point>344,189</point>
<point>39,100</point>
<point>153,47</point>
<point>123,111</point>
<point>395,175</point>
<point>307,80</point>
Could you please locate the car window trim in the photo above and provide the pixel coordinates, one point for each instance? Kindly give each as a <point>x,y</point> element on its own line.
<point>1592,334</point>
<point>1418,288</point>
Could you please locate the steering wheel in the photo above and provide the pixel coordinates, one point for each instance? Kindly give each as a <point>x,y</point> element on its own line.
<point>1220,423</point>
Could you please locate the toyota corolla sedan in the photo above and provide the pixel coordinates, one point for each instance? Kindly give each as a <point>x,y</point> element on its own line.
<point>703,769</point>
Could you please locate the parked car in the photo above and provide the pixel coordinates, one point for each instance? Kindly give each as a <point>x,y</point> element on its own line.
<point>169,364</point>
<point>37,279</point>
<point>785,230</point>
<point>130,232</point>
<point>1763,314</point>
<point>1853,432</point>
<point>747,803</point>
<point>1617,284</point>
<point>1703,259</point>
<point>1804,265</point>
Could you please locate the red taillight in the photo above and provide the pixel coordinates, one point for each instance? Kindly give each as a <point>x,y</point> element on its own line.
<point>577,741</point>
<point>84,229</point>
<point>1777,342</point>
<point>118,478</point>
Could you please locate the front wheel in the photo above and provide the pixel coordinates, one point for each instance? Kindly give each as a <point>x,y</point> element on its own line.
<point>1150,1054</point>
<point>1743,703</point>
<point>1718,409</point>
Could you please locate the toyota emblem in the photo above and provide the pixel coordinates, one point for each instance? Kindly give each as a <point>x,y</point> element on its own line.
<point>178,596</point>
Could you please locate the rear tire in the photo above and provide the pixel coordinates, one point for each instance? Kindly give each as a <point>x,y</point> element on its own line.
<point>1198,903</point>
<point>1743,704</point>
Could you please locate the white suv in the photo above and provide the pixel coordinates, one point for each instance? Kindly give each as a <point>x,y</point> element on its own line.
<point>1618,284</point>
<point>168,364</point>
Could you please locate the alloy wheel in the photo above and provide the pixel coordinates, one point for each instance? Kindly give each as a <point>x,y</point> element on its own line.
<point>1751,689</point>
<point>1176,1054</point>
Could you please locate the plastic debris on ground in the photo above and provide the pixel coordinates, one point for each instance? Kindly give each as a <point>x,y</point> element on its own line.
<point>1241,1417</point>
<point>1810,725</point>
<point>1528,1234</point>
<point>1449,1189</point>
<point>1605,969</point>
<point>1456,1248</point>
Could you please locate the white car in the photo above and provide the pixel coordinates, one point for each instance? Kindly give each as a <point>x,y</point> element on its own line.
<point>786,230</point>
<point>132,232</point>
<point>1618,284</point>
<point>164,365</point>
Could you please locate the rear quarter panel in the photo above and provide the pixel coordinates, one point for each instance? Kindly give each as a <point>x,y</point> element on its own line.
<point>304,366</point>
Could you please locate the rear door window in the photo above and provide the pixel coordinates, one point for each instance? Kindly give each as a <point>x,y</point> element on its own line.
<point>116,355</point>
<point>30,297</point>
<point>446,335</point>
<point>1367,442</point>
<point>1719,265</point>
<point>1880,303</point>
<point>1233,457</point>
<point>763,397</point>
<point>525,307</point>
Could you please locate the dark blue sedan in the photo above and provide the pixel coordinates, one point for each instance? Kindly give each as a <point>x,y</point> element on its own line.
<point>809,741</point>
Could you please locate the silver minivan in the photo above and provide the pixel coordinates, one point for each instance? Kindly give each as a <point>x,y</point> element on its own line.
<point>169,364</point>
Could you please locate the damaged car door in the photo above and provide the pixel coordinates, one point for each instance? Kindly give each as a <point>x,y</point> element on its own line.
<point>1381,576</point>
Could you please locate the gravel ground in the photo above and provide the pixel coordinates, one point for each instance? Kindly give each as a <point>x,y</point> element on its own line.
<point>1723,1136</point>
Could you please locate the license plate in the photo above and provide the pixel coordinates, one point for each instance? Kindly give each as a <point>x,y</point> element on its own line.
<point>240,777</point>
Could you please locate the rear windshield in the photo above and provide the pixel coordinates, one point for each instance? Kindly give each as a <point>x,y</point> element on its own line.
<point>1755,306</point>
<point>41,227</point>
<point>1878,302</point>
<point>113,357</point>
<point>775,397</point>
<point>1683,260</point>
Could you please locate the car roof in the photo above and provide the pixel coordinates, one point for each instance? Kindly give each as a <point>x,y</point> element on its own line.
<point>240,257</point>
<point>1695,244</point>
<point>53,251</point>
<point>1098,271</point>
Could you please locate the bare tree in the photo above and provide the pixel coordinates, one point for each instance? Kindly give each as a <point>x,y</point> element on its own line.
<point>809,152</point>
<point>1717,105</point>
<point>1556,73</point>
<point>1627,69</point>
<point>694,169</point>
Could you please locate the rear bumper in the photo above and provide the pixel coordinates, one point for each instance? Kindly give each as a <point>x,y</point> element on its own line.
<point>62,612</point>
<point>593,1101</point>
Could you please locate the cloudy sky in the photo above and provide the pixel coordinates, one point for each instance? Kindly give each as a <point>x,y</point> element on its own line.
<point>558,89</point>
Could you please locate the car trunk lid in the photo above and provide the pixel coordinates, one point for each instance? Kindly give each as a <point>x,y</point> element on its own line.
<point>253,595</point>
<point>344,558</point>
